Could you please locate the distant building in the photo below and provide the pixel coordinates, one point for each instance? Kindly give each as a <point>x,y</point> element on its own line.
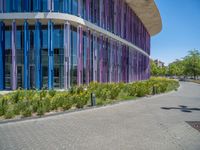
<point>159,63</point>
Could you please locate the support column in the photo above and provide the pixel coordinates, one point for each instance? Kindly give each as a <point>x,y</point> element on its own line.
<point>80,55</point>
<point>14,58</point>
<point>2,56</point>
<point>38,62</point>
<point>26,55</point>
<point>67,55</point>
<point>95,57</point>
<point>50,55</point>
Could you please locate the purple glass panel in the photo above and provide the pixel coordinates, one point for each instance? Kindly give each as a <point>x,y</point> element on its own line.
<point>88,57</point>
<point>14,58</point>
<point>80,55</point>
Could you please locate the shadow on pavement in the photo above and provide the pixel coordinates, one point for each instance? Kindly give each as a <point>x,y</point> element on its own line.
<point>182,108</point>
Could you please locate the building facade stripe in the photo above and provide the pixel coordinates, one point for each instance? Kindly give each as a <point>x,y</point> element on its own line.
<point>50,55</point>
<point>26,55</point>
<point>14,58</point>
<point>67,55</point>
<point>38,62</point>
<point>2,55</point>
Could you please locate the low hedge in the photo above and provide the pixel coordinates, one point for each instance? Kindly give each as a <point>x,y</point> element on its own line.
<point>26,103</point>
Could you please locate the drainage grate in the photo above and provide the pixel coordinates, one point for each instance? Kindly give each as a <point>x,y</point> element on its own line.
<point>194,124</point>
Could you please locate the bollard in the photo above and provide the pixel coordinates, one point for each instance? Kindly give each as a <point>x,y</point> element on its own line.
<point>93,99</point>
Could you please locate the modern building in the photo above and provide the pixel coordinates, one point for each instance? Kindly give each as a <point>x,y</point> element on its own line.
<point>159,63</point>
<point>62,43</point>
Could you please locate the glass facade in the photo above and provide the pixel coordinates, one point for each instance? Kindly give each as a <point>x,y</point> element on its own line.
<point>112,15</point>
<point>39,54</point>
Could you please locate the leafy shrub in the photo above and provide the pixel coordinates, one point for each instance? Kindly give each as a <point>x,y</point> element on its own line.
<point>131,89</point>
<point>67,103</point>
<point>141,89</point>
<point>3,106</point>
<point>43,106</point>
<point>114,90</point>
<point>81,99</point>
<point>27,112</point>
<point>9,112</point>
<point>26,102</point>
<point>52,93</point>
<point>40,110</point>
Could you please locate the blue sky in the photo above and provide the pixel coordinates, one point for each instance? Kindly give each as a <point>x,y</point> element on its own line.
<point>180,31</point>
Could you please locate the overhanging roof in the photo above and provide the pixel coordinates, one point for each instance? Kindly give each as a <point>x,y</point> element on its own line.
<point>148,13</point>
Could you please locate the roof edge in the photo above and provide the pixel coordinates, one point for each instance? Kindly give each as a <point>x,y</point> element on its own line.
<point>148,13</point>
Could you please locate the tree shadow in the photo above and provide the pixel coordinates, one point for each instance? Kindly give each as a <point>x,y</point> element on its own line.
<point>182,108</point>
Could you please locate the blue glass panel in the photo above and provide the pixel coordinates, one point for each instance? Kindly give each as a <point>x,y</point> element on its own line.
<point>44,5</point>
<point>2,56</point>
<point>36,5</point>
<point>8,5</point>
<point>58,5</point>
<point>44,39</point>
<point>50,55</point>
<point>26,5</point>
<point>75,7</point>
<point>58,38</point>
<point>8,40</point>
<point>73,56</point>
<point>26,54</point>
<point>19,42</point>
<point>19,5</point>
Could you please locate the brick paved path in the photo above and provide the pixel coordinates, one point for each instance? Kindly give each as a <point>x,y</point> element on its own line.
<point>154,123</point>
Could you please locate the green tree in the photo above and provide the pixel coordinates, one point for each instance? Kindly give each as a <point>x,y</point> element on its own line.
<point>192,63</point>
<point>176,68</point>
<point>154,68</point>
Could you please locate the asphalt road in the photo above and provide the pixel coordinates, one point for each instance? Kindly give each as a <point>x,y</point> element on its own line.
<point>153,123</point>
